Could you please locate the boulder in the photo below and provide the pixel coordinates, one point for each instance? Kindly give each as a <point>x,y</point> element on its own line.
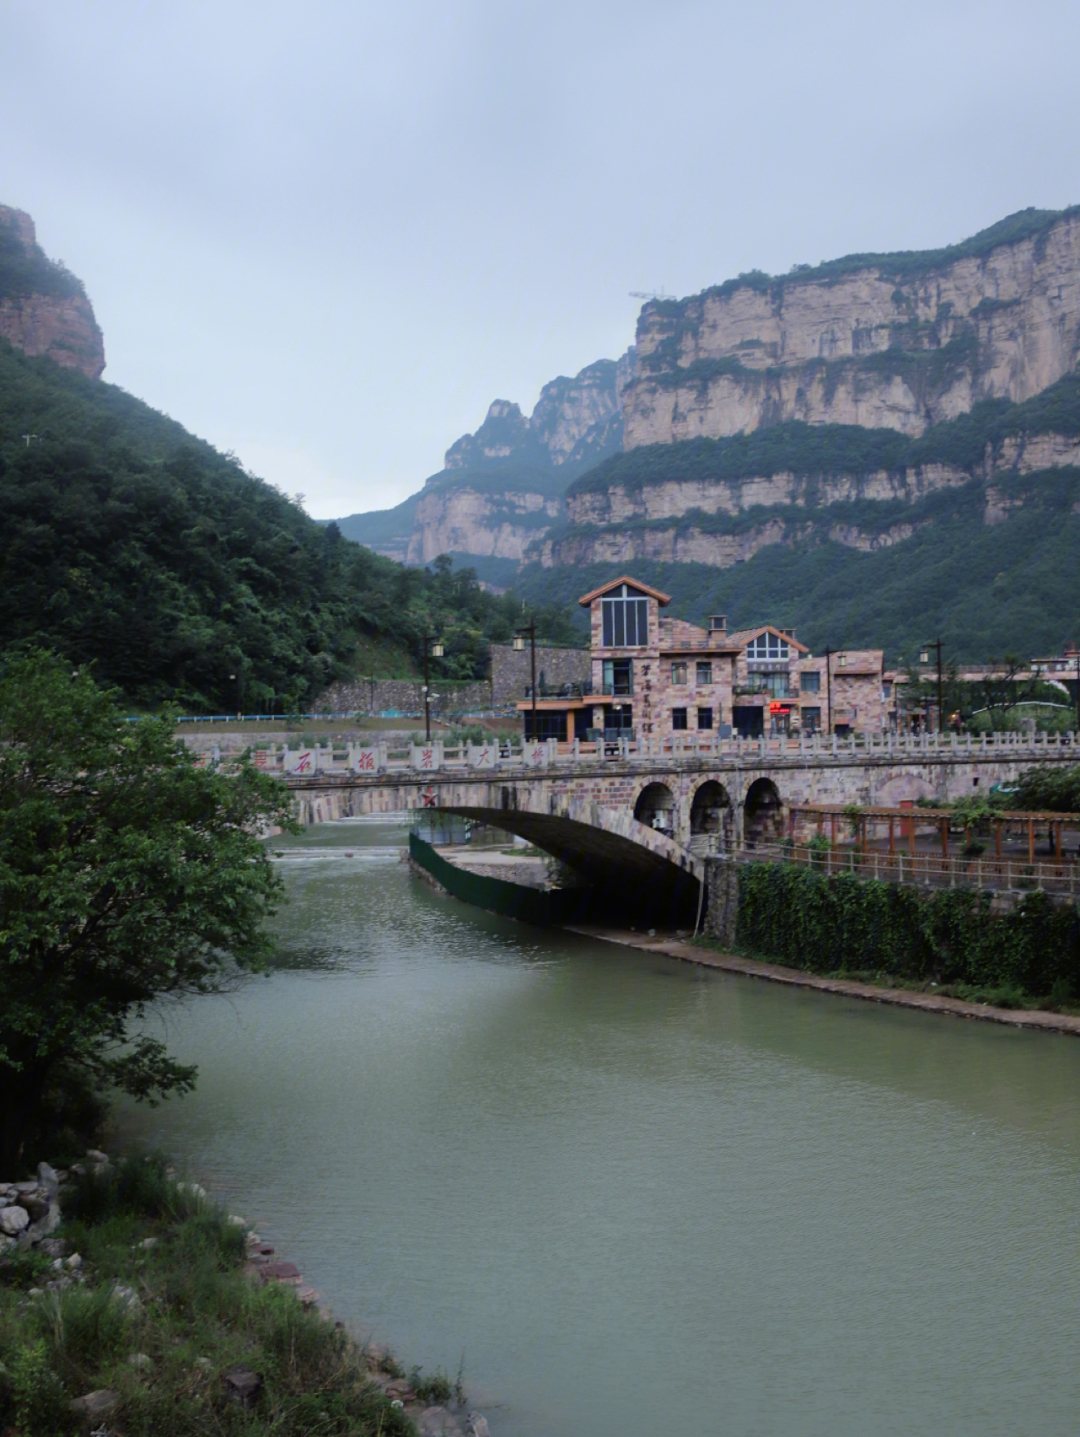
<point>243,1384</point>
<point>13,1220</point>
<point>438,1422</point>
<point>95,1404</point>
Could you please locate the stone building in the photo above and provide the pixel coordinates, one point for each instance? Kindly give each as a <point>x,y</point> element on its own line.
<point>653,676</point>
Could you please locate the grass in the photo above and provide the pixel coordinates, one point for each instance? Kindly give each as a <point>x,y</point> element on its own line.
<point>188,1311</point>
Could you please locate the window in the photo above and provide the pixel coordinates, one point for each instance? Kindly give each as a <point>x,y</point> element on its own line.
<point>767,646</point>
<point>810,683</point>
<point>704,673</point>
<point>625,618</point>
<point>886,688</point>
<point>777,686</point>
<point>619,676</point>
<point>678,673</point>
<point>811,720</point>
<point>548,725</point>
<point>678,718</point>
<point>704,718</point>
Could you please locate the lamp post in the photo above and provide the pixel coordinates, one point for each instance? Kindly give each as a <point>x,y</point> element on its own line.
<point>435,647</point>
<point>519,647</point>
<point>924,658</point>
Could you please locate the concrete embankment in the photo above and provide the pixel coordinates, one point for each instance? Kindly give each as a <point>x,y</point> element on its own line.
<point>674,947</point>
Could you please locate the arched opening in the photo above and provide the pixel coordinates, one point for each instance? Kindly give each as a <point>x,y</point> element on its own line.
<point>656,808</point>
<point>764,813</point>
<point>710,819</point>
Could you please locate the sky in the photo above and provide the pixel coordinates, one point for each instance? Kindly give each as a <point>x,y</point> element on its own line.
<point>326,236</point>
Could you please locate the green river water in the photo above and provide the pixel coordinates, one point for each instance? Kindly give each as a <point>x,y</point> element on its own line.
<point>634,1196</point>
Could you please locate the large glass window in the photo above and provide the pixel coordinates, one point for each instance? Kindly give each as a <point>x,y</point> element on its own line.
<point>810,683</point>
<point>811,719</point>
<point>767,646</point>
<point>625,615</point>
<point>777,686</point>
<point>704,672</point>
<point>619,676</point>
<point>678,673</point>
<point>704,718</point>
<point>678,718</point>
<point>548,725</point>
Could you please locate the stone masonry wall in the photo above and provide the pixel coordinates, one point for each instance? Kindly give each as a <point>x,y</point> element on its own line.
<point>511,671</point>
<point>375,696</point>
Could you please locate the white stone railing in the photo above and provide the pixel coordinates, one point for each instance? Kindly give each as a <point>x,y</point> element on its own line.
<point>440,757</point>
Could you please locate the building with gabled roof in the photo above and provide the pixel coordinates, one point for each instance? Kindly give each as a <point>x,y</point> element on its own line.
<point>653,676</point>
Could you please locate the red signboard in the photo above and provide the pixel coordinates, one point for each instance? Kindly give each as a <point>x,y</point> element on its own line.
<point>779,708</point>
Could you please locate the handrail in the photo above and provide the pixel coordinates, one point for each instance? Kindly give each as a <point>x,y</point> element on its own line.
<point>692,747</point>
<point>923,869</point>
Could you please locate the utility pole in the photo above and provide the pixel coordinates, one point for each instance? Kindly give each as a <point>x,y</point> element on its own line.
<point>828,687</point>
<point>519,645</point>
<point>433,646</point>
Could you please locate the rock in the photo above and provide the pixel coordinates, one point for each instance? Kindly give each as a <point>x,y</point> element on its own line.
<point>243,1384</point>
<point>437,1421</point>
<point>478,1426</point>
<point>192,1189</point>
<point>43,1227</point>
<point>204,1363</point>
<point>13,1220</point>
<point>281,1272</point>
<point>140,1359</point>
<point>126,1297</point>
<point>95,1404</point>
<point>94,1156</point>
<point>399,1387</point>
<point>53,1247</point>
<point>74,1261</point>
<point>147,1243</point>
<point>237,1221</point>
<point>48,1177</point>
<point>307,1295</point>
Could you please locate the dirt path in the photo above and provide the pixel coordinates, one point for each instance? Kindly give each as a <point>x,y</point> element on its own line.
<point>775,973</point>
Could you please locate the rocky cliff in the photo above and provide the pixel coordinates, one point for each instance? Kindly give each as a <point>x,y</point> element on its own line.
<point>43,308</point>
<point>501,488</point>
<point>900,341</point>
<point>719,502</point>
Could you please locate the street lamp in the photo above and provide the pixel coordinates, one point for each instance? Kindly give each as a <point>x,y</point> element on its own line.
<point>519,647</point>
<point>435,647</point>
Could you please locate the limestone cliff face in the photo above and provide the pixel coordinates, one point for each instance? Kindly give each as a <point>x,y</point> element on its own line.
<point>889,341</point>
<point>502,487</point>
<point>701,521</point>
<point>463,521</point>
<point>44,309</point>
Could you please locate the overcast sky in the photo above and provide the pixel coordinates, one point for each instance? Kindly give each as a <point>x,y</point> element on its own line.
<point>327,235</point>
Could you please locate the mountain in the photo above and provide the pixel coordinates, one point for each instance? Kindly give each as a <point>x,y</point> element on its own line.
<point>43,307</point>
<point>895,341</point>
<point>502,487</point>
<point>132,545</point>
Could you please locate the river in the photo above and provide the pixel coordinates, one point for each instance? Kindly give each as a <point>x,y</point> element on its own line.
<point>634,1196</point>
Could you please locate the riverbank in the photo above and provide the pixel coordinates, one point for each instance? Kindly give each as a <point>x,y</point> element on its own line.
<point>694,952</point>
<point>131,1300</point>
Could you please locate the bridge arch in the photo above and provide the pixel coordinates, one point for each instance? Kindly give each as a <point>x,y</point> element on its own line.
<point>711,815</point>
<point>764,813</point>
<point>655,808</point>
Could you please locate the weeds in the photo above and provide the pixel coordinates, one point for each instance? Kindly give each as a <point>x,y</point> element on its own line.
<point>161,1308</point>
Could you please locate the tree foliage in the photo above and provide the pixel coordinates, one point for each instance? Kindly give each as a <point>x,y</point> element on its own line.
<point>131,544</point>
<point>127,873</point>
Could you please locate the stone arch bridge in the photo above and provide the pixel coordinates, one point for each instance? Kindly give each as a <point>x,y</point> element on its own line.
<point>634,823</point>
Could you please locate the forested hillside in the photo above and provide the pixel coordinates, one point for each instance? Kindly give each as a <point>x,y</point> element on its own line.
<point>129,544</point>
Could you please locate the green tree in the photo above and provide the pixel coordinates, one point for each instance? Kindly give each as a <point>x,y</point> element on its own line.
<point>127,873</point>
